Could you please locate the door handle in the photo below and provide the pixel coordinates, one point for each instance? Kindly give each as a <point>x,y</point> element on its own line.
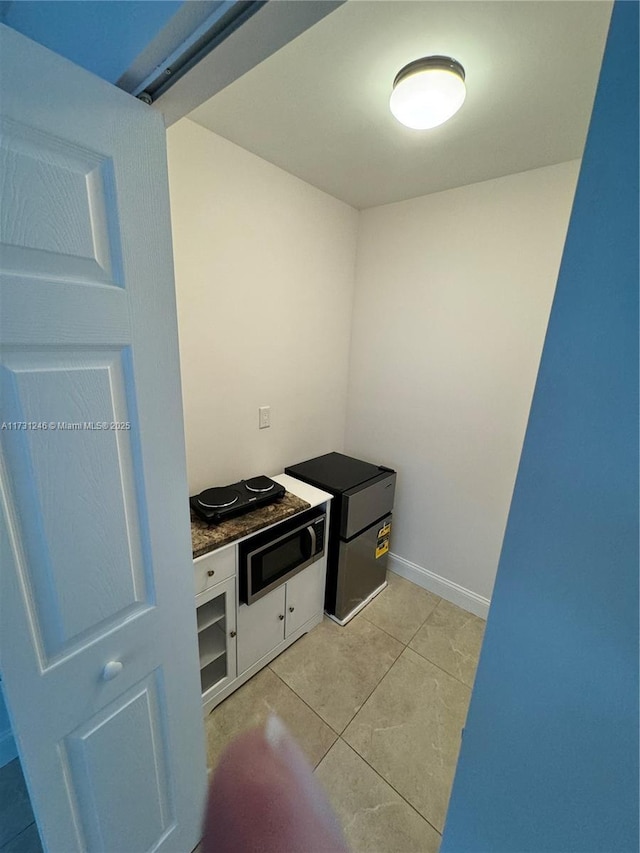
<point>314,541</point>
<point>232,633</point>
<point>211,572</point>
<point>111,669</point>
<point>281,616</point>
<point>291,609</point>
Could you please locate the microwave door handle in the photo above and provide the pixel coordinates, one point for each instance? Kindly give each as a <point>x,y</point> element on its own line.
<point>312,532</point>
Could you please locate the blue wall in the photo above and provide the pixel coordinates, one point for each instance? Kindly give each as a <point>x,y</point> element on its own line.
<point>103,37</point>
<point>549,759</point>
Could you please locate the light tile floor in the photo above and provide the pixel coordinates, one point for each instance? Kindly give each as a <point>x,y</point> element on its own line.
<point>378,707</point>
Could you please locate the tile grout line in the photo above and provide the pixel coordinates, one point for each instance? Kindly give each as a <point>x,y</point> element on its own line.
<point>424,621</point>
<point>378,683</point>
<point>288,687</point>
<point>339,735</point>
<point>371,694</point>
<point>437,666</point>
<point>313,711</point>
<point>387,782</point>
<point>383,676</point>
<point>424,657</point>
<point>18,834</point>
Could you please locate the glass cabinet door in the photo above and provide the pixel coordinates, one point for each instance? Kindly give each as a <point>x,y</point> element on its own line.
<point>215,611</point>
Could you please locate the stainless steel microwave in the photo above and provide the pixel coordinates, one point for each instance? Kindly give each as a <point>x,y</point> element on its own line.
<point>271,558</point>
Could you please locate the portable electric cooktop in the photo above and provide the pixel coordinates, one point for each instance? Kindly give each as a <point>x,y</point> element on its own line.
<point>223,502</point>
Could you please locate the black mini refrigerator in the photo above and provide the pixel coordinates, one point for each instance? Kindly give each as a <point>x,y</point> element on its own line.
<point>359,531</point>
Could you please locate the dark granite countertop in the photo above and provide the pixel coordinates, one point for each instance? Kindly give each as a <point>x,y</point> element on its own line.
<point>205,538</point>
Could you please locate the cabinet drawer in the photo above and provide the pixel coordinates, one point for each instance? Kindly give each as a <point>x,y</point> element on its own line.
<point>212,568</point>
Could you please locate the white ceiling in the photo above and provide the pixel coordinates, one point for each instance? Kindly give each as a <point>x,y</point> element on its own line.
<point>318,107</point>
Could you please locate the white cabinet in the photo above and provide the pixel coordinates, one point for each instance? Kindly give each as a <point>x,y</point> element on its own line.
<point>216,615</point>
<point>264,628</point>
<point>304,597</point>
<point>276,616</point>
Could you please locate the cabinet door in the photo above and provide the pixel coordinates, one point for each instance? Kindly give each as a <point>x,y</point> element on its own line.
<point>305,596</point>
<point>216,615</point>
<point>260,628</point>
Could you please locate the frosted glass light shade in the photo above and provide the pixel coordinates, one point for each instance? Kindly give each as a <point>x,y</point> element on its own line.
<point>427,92</point>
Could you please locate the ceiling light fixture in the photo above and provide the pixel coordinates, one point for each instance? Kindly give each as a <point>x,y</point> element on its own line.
<point>427,92</point>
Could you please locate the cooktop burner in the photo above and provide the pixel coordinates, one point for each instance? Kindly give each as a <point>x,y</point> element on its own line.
<point>260,484</point>
<point>222,502</point>
<point>218,498</point>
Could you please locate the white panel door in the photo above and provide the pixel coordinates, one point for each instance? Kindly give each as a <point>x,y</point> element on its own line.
<point>98,647</point>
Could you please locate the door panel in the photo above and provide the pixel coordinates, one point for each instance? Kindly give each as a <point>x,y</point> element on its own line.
<point>62,219</point>
<point>305,596</point>
<point>64,470</point>
<point>132,723</point>
<point>96,552</point>
<point>360,572</point>
<point>260,628</point>
<point>363,505</point>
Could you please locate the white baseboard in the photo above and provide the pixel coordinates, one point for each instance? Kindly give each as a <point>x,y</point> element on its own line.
<point>453,592</point>
<point>8,749</point>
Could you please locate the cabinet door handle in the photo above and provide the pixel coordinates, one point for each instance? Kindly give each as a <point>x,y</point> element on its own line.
<point>211,572</point>
<point>232,633</point>
<point>111,669</point>
<point>291,609</point>
<point>281,616</point>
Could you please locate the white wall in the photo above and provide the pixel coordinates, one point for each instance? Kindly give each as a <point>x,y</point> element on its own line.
<point>264,279</point>
<point>452,297</point>
<point>453,293</point>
